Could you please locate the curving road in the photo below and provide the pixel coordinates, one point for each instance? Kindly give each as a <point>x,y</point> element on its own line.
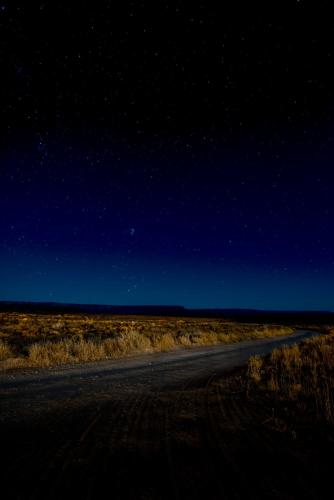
<point>154,426</point>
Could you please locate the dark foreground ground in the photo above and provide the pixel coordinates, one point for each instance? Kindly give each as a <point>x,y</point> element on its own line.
<point>175,425</point>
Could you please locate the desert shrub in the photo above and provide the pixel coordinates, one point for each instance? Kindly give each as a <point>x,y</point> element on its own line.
<point>204,338</point>
<point>254,368</point>
<point>230,338</point>
<point>87,350</point>
<point>5,350</point>
<point>111,348</point>
<point>184,340</point>
<point>49,353</point>
<point>126,343</point>
<point>132,341</point>
<point>164,342</point>
<point>303,372</point>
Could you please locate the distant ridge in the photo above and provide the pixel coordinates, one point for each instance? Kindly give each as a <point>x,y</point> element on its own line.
<point>235,314</point>
<point>55,307</point>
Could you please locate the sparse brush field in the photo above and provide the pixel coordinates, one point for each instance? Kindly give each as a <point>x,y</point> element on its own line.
<point>297,381</point>
<point>44,340</point>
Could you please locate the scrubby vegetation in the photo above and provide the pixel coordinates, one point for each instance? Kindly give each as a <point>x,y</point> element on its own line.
<point>301,375</point>
<point>5,350</point>
<point>46,340</point>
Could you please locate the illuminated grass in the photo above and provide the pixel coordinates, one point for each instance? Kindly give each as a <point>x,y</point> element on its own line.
<point>301,373</point>
<point>47,340</point>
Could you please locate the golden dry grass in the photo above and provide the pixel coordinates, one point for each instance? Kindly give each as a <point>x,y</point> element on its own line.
<point>46,340</point>
<point>254,368</point>
<point>5,350</point>
<point>303,372</point>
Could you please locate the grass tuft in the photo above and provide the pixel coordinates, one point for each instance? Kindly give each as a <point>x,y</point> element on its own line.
<point>303,372</point>
<point>254,368</point>
<point>5,350</point>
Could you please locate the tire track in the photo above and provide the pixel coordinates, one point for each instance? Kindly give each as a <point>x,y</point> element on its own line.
<point>226,467</point>
<point>258,442</point>
<point>203,462</point>
<point>80,455</point>
<point>176,475</point>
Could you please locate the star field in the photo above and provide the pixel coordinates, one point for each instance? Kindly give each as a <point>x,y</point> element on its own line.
<point>167,154</point>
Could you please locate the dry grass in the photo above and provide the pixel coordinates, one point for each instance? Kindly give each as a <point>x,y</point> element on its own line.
<point>47,340</point>
<point>254,368</point>
<point>5,351</point>
<point>303,373</point>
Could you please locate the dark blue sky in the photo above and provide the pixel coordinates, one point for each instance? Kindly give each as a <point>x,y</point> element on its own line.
<point>167,156</point>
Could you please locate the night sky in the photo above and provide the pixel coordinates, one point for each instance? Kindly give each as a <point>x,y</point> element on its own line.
<point>174,153</point>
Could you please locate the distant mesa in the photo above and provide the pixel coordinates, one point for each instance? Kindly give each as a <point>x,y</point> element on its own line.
<point>245,315</point>
<point>60,307</point>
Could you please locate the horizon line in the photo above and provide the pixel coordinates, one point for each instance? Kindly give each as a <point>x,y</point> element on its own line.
<point>186,308</point>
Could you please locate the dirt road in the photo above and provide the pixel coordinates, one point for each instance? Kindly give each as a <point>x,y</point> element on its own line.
<point>153,426</point>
